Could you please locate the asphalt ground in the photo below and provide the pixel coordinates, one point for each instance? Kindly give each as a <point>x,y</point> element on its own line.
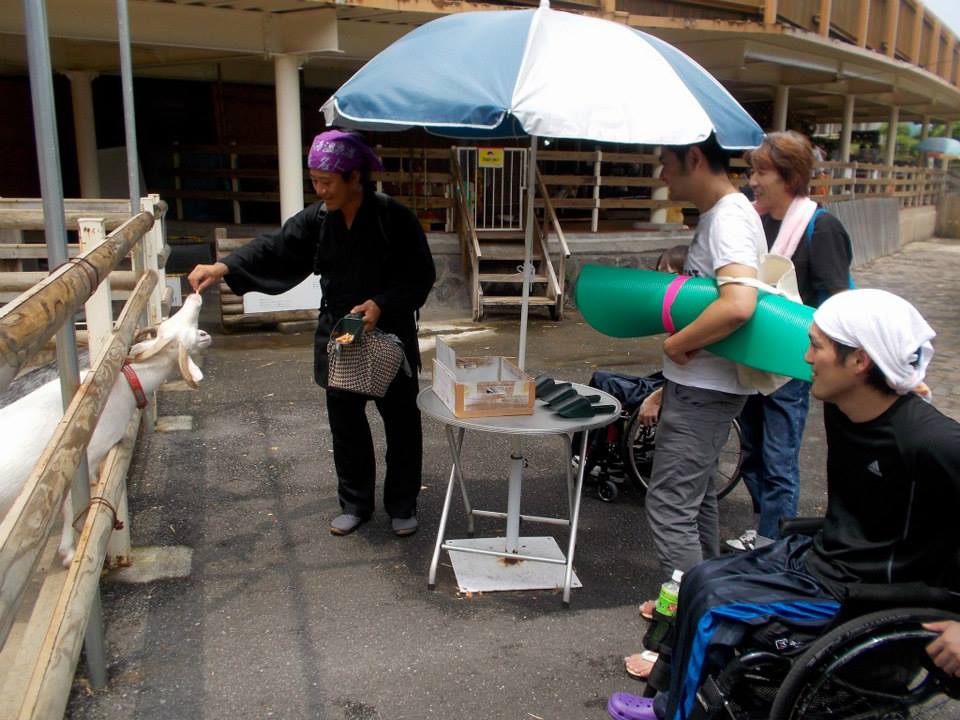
<point>279,619</point>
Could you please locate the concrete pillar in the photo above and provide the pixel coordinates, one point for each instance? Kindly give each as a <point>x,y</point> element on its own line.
<point>286,70</point>
<point>85,130</point>
<point>925,128</point>
<point>891,148</point>
<point>780,103</point>
<point>846,131</point>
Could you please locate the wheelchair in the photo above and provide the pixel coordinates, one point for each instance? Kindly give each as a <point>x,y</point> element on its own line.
<point>622,453</point>
<point>870,664</point>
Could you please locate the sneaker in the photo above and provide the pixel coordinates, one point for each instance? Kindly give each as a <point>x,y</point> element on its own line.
<point>404,526</point>
<point>750,540</point>
<point>345,524</point>
<point>575,463</point>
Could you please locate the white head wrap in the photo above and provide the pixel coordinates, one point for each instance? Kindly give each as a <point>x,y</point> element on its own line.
<point>888,328</point>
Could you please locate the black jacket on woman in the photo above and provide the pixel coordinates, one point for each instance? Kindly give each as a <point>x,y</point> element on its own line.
<point>383,256</point>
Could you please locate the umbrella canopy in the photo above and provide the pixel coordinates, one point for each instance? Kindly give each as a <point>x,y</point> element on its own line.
<point>541,72</point>
<point>942,145</point>
<point>545,73</point>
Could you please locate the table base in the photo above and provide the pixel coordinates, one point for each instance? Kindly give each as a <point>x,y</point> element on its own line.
<point>488,573</point>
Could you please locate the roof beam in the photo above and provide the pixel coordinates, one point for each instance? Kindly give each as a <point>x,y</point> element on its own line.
<point>189,26</point>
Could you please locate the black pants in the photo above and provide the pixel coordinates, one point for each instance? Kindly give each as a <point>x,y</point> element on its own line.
<point>353,449</point>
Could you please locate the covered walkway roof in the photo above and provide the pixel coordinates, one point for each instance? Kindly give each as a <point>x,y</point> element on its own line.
<point>886,53</point>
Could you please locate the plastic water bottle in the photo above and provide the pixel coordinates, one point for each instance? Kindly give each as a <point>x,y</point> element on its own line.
<point>669,592</point>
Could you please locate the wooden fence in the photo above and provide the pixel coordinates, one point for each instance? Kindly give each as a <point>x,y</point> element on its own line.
<point>584,186</point>
<point>39,647</point>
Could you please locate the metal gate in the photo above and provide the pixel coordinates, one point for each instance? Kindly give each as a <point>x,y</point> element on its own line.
<point>495,186</point>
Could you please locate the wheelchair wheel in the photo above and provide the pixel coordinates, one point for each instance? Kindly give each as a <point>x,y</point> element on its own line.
<point>874,667</point>
<point>638,443</point>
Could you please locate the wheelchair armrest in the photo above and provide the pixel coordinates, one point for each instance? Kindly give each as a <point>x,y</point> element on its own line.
<point>864,598</point>
<point>800,526</point>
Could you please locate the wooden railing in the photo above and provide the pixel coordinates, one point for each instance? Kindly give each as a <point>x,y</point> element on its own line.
<point>556,279</point>
<point>49,646</point>
<point>242,174</point>
<point>469,243</point>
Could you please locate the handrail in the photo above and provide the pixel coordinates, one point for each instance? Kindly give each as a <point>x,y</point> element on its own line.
<point>552,214</point>
<point>462,206</point>
<point>24,530</point>
<point>29,321</point>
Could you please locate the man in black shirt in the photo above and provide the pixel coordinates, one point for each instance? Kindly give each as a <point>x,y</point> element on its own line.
<point>372,257</point>
<point>893,485</point>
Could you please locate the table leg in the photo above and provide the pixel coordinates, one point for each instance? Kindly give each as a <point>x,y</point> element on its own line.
<point>568,455</point>
<point>513,497</point>
<point>463,485</point>
<point>574,521</point>
<point>455,475</point>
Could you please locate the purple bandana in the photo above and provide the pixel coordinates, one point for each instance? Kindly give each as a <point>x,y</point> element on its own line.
<point>340,152</point>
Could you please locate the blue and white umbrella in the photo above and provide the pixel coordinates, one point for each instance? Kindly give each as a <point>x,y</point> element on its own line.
<point>940,145</point>
<point>540,73</point>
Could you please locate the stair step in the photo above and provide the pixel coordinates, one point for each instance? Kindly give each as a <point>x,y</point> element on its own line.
<point>504,235</point>
<point>516,300</point>
<point>510,278</point>
<point>505,251</point>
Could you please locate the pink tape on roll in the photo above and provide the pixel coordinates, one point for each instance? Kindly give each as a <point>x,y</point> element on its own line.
<point>668,297</point>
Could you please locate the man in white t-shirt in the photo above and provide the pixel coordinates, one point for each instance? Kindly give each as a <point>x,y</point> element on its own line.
<point>702,394</point>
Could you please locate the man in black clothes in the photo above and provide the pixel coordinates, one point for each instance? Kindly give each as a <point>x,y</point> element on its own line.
<point>372,257</point>
<point>893,487</point>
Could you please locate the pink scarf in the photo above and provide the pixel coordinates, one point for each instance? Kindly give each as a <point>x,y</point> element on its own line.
<point>793,226</point>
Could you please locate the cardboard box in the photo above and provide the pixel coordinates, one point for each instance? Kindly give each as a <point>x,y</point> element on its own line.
<point>481,386</point>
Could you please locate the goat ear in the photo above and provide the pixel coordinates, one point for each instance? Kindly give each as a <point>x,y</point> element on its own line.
<point>145,334</point>
<point>188,368</point>
<point>157,347</point>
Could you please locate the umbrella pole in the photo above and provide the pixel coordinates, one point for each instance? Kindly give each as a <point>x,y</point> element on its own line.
<point>512,543</point>
<point>528,251</point>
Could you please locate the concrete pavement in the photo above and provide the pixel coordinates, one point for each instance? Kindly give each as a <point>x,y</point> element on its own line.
<point>277,618</point>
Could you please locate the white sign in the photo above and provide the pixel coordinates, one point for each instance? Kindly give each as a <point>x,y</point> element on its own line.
<point>305,296</point>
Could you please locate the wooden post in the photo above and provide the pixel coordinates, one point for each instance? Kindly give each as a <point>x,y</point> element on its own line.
<point>178,182</point>
<point>933,56</point>
<point>917,34</point>
<point>948,61</point>
<point>863,23</point>
<point>28,522</point>
<point>826,9</point>
<point>28,322</point>
<point>892,20</point>
<point>153,243</point>
<point>597,179</point>
<point>235,186</point>
<point>99,311</point>
<point>49,687</point>
<point>770,12</point>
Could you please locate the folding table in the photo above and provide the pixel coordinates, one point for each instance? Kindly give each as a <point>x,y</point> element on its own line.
<point>513,562</point>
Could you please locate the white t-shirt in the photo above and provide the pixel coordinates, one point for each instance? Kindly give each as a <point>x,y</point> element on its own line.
<point>729,232</point>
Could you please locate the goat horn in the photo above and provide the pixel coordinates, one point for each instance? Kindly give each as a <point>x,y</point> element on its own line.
<point>151,351</point>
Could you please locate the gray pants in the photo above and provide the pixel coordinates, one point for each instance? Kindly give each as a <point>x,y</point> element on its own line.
<point>682,497</point>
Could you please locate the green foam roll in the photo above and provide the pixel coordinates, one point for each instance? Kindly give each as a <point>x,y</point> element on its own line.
<point>626,302</point>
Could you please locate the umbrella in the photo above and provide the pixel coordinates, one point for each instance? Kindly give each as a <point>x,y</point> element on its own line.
<point>941,145</point>
<point>540,72</point>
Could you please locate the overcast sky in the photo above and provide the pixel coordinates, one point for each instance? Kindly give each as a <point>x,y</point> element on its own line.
<point>947,10</point>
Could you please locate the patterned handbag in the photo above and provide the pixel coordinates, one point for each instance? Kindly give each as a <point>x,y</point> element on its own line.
<point>365,363</point>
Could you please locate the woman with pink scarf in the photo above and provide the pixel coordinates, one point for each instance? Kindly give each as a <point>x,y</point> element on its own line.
<point>797,228</point>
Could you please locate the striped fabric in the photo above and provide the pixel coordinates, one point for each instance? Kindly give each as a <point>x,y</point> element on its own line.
<point>540,72</point>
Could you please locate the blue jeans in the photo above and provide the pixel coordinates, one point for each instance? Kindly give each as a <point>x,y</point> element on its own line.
<point>772,428</point>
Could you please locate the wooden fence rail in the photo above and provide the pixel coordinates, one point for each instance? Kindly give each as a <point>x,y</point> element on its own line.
<point>582,184</point>
<point>48,648</point>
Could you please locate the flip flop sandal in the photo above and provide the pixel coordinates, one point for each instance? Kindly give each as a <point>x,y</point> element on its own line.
<point>647,608</point>
<point>640,666</point>
<point>624,706</point>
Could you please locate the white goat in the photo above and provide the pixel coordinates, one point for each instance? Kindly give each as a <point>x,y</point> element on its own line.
<point>27,425</point>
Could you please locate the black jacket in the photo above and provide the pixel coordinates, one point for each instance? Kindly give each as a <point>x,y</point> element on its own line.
<point>383,256</point>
